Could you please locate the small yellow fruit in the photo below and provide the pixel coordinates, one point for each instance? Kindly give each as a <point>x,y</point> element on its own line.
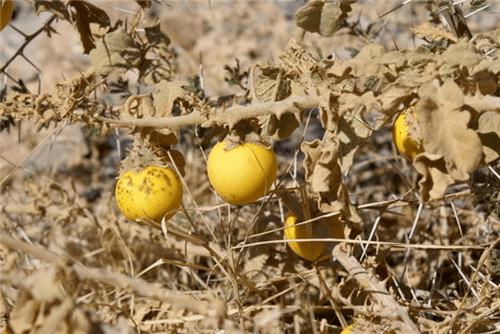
<point>307,250</point>
<point>347,330</point>
<point>405,145</point>
<point>5,13</point>
<point>153,193</point>
<point>329,227</point>
<point>242,174</point>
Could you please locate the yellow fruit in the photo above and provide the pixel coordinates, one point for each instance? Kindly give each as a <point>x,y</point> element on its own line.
<point>5,13</point>
<point>330,227</point>
<point>242,174</point>
<point>405,145</point>
<point>152,193</point>
<point>347,330</point>
<point>307,250</point>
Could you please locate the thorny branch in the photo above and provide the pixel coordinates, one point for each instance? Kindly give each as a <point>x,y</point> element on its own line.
<point>377,290</point>
<point>230,116</point>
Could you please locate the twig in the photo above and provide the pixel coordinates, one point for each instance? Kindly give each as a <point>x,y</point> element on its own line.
<point>474,277</point>
<point>376,289</point>
<point>230,116</point>
<point>215,309</point>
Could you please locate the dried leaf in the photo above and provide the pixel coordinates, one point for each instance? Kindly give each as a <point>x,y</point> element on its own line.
<point>488,129</point>
<point>435,178</point>
<point>452,149</point>
<point>462,54</point>
<point>254,265</point>
<point>433,33</point>
<point>322,17</point>
<point>138,106</point>
<point>269,84</point>
<point>337,69</point>
<point>23,316</point>
<point>329,108</point>
<point>166,95</point>
<point>396,58</point>
<point>158,40</point>
<point>116,52</point>
<point>45,285</point>
<point>351,133</point>
<point>84,14</point>
<point>145,4</point>
<point>81,14</point>
<point>282,127</point>
<point>154,71</point>
<point>323,174</point>
<point>490,65</point>
<point>446,132</point>
<point>57,8</point>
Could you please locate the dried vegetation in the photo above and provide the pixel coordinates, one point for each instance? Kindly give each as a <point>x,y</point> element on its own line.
<point>422,253</point>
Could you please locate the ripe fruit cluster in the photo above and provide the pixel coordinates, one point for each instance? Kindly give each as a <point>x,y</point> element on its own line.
<point>240,175</point>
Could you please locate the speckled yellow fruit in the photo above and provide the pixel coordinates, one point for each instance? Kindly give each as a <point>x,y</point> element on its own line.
<point>327,228</point>
<point>152,193</point>
<point>5,13</point>
<point>405,145</point>
<point>242,174</point>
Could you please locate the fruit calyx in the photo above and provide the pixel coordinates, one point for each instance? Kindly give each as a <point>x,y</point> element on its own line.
<point>144,153</point>
<point>235,139</point>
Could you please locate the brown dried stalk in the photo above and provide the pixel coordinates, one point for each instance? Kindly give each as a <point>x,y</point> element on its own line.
<point>376,288</point>
<point>215,309</point>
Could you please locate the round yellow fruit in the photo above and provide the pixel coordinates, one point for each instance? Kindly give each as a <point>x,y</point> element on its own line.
<point>405,145</point>
<point>5,13</point>
<point>307,250</point>
<point>329,227</point>
<point>154,193</point>
<point>242,174</point>
<point>347,330</point>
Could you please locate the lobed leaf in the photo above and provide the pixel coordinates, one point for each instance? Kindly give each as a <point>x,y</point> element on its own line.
<point>116,52</point>
<point>322,17</point>
<point>488,130</point>
<point>447,137</point>
<point>81,14</point>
